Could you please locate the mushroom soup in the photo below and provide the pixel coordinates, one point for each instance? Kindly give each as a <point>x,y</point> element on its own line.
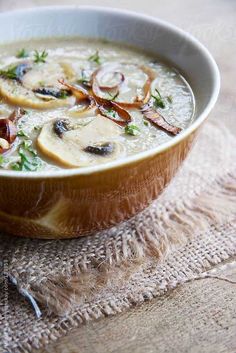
<point>68,103</point>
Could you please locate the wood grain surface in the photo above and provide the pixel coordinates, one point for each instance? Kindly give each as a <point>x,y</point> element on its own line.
<point>200,316</point>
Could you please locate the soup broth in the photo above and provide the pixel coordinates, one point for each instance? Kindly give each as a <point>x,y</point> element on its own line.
<point>73,103</point>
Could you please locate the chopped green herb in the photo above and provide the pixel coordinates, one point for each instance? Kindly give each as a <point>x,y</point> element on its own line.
<point>21,133</point>
<point>170,99</point>
<point>27,145</point>
<point>95,58</point>
<point>9,73</point>
<point>132,129</point>
<point>22,53</point>
<point>146,123</point>
<point>40,57</point>
<point>111,112</point>
<point>159,101</point>
<point>1,160</point>
<point>29,160</point>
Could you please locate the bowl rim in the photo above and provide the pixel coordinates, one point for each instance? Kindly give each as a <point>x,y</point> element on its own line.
<point>141,155</point>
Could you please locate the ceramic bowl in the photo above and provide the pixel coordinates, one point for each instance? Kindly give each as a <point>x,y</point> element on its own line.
<point>75,202</point>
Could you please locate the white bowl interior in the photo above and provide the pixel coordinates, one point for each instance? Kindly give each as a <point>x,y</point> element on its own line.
<point>150,34</point>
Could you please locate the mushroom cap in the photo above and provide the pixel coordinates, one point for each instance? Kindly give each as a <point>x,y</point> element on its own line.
<point>20,92</point>
<point>71,148</point>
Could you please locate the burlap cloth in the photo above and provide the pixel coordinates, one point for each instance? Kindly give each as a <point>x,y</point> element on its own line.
<point>183,235</point>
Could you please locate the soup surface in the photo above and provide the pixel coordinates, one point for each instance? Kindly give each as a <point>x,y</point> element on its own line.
<point>69,103</point>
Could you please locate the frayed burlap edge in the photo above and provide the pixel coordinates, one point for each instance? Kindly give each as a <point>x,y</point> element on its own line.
<point>173,227</point>
<point>109,306</point>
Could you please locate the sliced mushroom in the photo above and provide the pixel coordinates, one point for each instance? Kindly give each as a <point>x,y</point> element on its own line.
<point>85,108</point>
<point>46,75</point>
<point>15,72</point>
<point>113,111</point>
<point>106,80</point>
<point>129,84</point>
<point>32,90</point>
<point>158,120</point>
<point>98,141</point>
<point>79,92</point>
<point>8,130</point>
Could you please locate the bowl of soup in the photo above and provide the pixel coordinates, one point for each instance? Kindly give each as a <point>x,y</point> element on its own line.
<point>98,110</point>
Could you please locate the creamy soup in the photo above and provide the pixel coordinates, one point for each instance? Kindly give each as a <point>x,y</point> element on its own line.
<point>72,103</point>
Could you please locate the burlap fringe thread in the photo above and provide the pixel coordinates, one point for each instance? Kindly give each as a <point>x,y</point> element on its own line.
<point>173,227</point>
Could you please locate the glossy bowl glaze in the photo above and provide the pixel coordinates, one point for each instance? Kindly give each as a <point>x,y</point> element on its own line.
<point>75,202</point>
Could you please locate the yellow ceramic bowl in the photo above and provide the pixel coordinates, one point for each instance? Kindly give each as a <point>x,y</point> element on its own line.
<point>72,203</point>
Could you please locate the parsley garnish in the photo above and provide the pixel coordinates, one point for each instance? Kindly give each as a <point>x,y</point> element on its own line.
<point>111,112</point>
<point>132,129</point>
<point>22,53</point>
<point>9,73</point>
<point>2,160</point>
<point>27,145</point>
<point>95,58</point>
<point>146,123</point>
<point>159,101</point>
<point>29,160</point>
<point>21,133</point>
<point>40,57</point>
<point>170,99</point>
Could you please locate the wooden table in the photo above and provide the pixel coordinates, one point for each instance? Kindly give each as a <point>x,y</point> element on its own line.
<point>200,316</point>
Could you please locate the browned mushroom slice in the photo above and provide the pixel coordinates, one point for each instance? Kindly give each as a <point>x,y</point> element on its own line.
<point>115,91</point>
<point>107,80</point>
<point>78,91</point>
<point>109,109</point>
<point>157,119</point>
<point>147,86</point>
<point>8,133</point>
<point>85,102</point>
<point>8,130</point>
<point>113,111</point>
